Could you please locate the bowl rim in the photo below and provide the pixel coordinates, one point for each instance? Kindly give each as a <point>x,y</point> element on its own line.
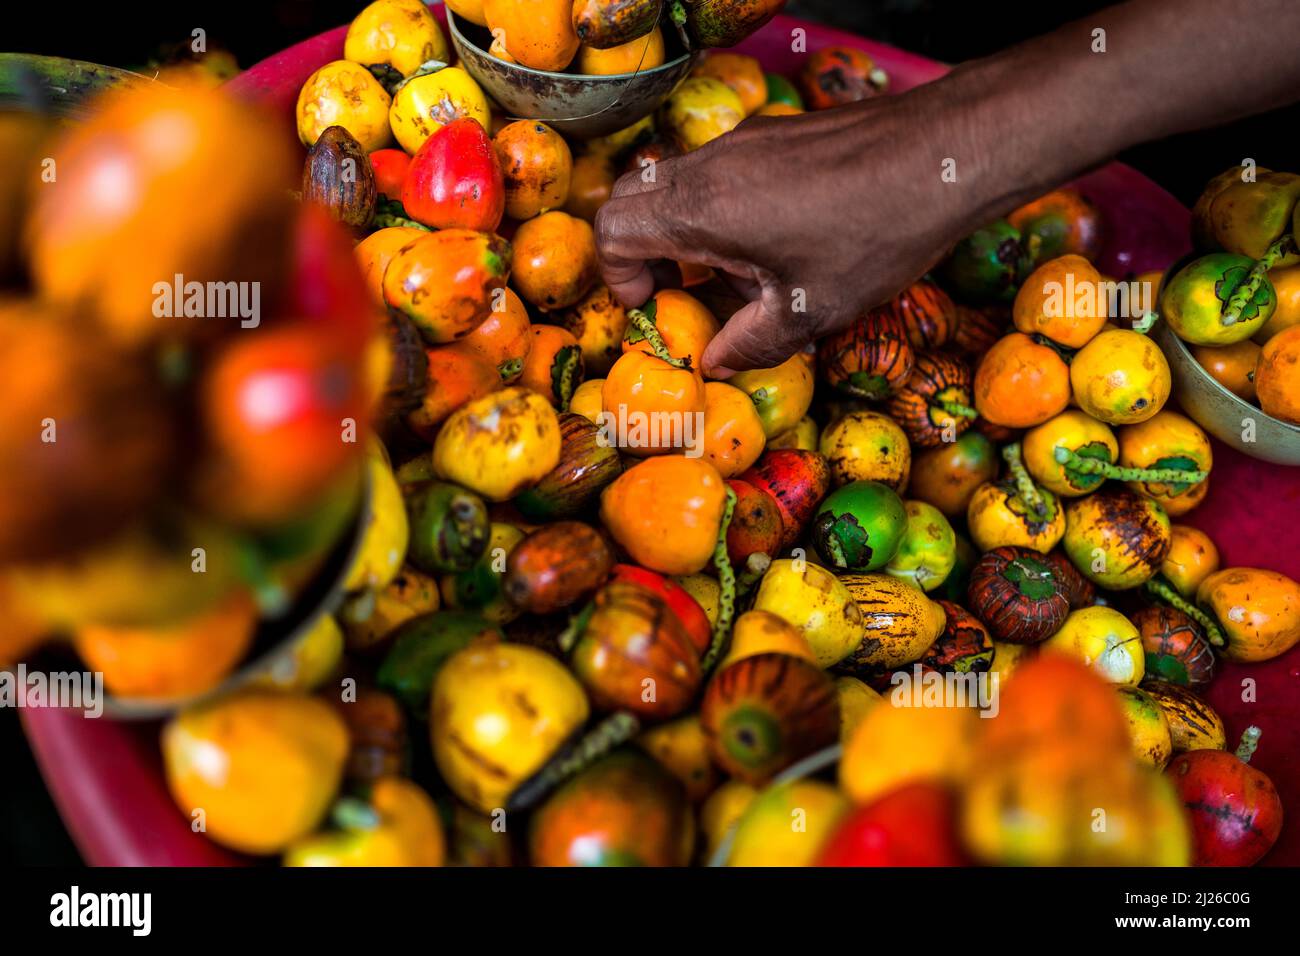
<point>1200,371</point>
<point>458,37</point>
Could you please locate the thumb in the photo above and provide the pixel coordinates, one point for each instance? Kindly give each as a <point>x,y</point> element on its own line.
<point>760,335</point>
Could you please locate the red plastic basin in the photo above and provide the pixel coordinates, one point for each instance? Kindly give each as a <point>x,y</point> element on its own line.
<point>106,777</point>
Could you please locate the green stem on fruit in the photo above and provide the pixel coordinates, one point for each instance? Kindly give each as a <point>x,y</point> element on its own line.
<point>509,369</point>
<point>1162,591</point>
<point>614,731</point>
<point>639,320</point>
<point>1145,324</point>
<point>1025,487</point>
<point>1239,299</point>
<point>1249,741</point>
<point>727,596</point>
<point>1077,463</point>
<point>955,409</point>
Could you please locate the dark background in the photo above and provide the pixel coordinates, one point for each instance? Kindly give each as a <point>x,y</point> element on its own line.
<point>131,34</point>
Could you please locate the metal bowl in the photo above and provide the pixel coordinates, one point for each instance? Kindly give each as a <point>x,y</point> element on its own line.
<point>579,106</point>
<point>1221,413</point>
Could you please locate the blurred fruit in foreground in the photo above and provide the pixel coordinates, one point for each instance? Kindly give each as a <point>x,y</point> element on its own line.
<point>397,826</point>
<point>787,825</point>
<point>257,768</point>
<point>85,437</point>
<point>914,825</point>
<point>163,187</point>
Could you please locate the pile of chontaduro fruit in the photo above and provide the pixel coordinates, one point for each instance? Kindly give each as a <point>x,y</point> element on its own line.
<point>607,612</point>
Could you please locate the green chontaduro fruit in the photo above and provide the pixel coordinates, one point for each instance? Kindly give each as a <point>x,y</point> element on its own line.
<point>419,649</point>
<point>449,526</point>
<point>860,526</point>
<point>988,265</point>
<point>928,550</point>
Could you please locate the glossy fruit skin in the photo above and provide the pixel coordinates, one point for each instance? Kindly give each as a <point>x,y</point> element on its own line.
<point>632,653</point>
<point>644,53</point>
<point>724,23</point>
<point>1019,594</point>
<point>964,647</point>
<point>602,24</point>
<point>928,314</point>
<point>661,404</point>
<point>1020,384</point>
<point>1236,813</point>
<point>1193,299</point>
<point>1062,299</point>
<point>872,358</point>
<point>781,395</point>
<point>342,93</point>
<point>782,91</point>
<point>1193,724</point>
<point>537,166</point>
<point>816,602</point>
<point>539,35</point>
<point>763,713</point>
<point>785,825</point>
<point>505,337</point>
<point>913,825</point>
<point>590,186</point>
<point>377,250</point>
<point>679,600</point>
<point>1079,591</point>
<point>797,480</point>
<point>1103,639</point>
<point>456,376</point>
<point>623,811</point>
<point>347,198</point>
<point>899,623</point>
<point>408,832</point>
<point>400,33</point>
<point>838,75</point>
<point>1286,285</point>
<point>1074,431</point>
<point>499,445</point>
<point>1191,559</point>
<point>803,436</point>
<point>700,110</point>
<point>756,524</point>
<point>988,265</point>
<point>733,433</point>
<point>685,324</point>
<point>587,465</point>
<point>762,632</point>
<point>497,713</point>
<point>680,748</point>
<point>1128,531</point>
<point>390,167</point>
<point>481,588</point>
<point>446,282</point>
<point>927,552</point>
<point>274,404</point>
<point>1167,440</point>
<point>1277,376</point>
<point>997,516</point>
<point>555,260</point>
<point>427,103</point>
<point>455,180</point>
<point>1064,222</point>
<point>1258,610</point>
<point>867,446</point>
<point>665,513</point>
<point>1176,649</point>
<point>860,526</point>
<point>1148,727</point>
<point>1120,377</point>
<point>937,377</point>
<point>586,400</point>
<point>598,322</point>
<point>947,476</point>
<point>1246,217</point>
<point>977,329</point>
<point>554,364</point>
<point>1232,366</point>
<point>556,566</point>
<point>421,646</point>
<point>278,762</point>
<point>449,527</point>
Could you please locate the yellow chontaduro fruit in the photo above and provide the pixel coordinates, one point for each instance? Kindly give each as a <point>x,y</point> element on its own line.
<point>816,603</point>
<point>498,712</point>
<point>500,444</point>
<point>344,94</point>
<point>1105,640</point>
<point>399,33</point>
